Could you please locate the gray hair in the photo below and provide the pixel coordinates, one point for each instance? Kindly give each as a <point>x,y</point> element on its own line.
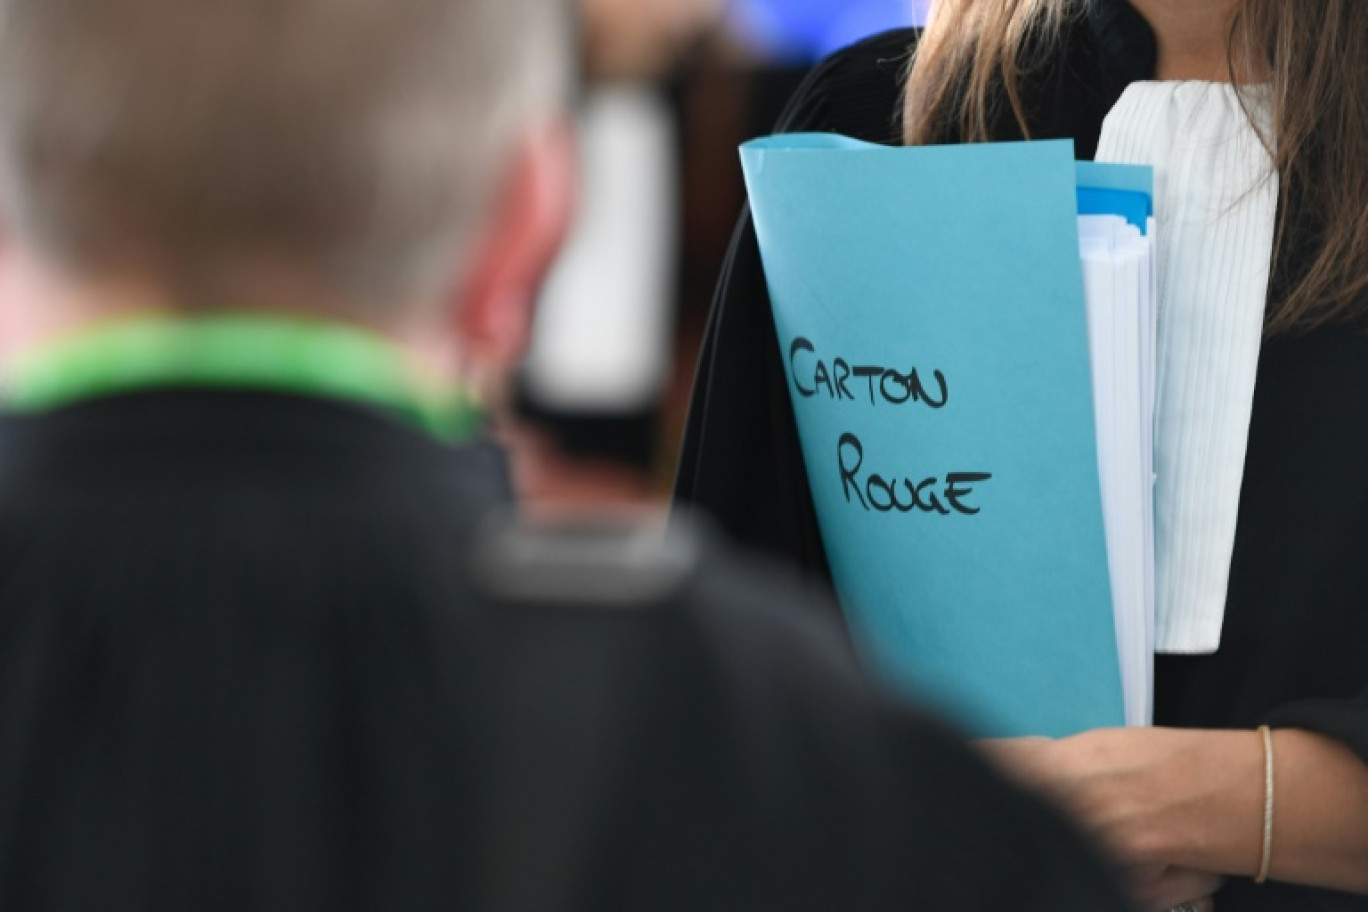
<point>336,147</point>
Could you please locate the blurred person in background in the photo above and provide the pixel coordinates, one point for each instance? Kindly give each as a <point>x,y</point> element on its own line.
<point>262,259</point>
<point>591,388</point>
<point>672,87</point>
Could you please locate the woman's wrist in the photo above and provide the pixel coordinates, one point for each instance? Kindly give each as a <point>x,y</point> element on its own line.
<point>1209,795</point>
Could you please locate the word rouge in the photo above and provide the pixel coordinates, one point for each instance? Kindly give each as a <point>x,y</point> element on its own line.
<point>885,495</point>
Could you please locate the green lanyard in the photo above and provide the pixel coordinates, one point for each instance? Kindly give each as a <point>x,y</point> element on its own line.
<point>238,351</point>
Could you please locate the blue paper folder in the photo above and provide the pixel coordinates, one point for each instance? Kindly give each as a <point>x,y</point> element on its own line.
<point>930,311</point>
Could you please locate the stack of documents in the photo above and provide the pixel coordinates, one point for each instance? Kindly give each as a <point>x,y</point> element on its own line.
<point>1119,271</point>
<point>969,334</point>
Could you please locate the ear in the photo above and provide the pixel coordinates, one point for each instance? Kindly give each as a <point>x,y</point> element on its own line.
<point>32,302</point>
<point>527,224</point>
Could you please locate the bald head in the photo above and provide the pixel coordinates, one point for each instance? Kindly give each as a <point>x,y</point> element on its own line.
<point>237,149</point>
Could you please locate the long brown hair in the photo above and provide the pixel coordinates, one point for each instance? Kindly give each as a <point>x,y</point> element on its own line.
<point>976,55</point>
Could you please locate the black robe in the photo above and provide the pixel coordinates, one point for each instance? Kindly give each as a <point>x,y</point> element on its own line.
<point>1294,650</point>
<point>246,663</point>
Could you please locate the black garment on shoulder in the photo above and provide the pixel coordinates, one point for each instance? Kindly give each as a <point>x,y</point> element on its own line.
<point>244,665</point>
<point>1294,649</point>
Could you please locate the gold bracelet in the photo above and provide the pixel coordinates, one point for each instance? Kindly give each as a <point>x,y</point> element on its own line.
<point>1267,858</point>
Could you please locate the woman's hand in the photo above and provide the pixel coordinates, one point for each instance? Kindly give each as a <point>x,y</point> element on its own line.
<point>1163,889</point>
<point>1151,795</point>
<point>1180,800</point>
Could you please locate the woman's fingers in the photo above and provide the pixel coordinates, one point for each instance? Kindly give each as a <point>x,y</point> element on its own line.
<point>1205,905</point>
<point>1175,888</point>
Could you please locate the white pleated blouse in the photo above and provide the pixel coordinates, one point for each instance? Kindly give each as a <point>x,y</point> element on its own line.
<point>1216,198</point>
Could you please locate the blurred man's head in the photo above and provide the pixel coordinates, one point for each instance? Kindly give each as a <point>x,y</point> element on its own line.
<point>387,161</point>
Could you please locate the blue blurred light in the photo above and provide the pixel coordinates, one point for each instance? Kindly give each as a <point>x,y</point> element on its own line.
<point>807,30</point>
